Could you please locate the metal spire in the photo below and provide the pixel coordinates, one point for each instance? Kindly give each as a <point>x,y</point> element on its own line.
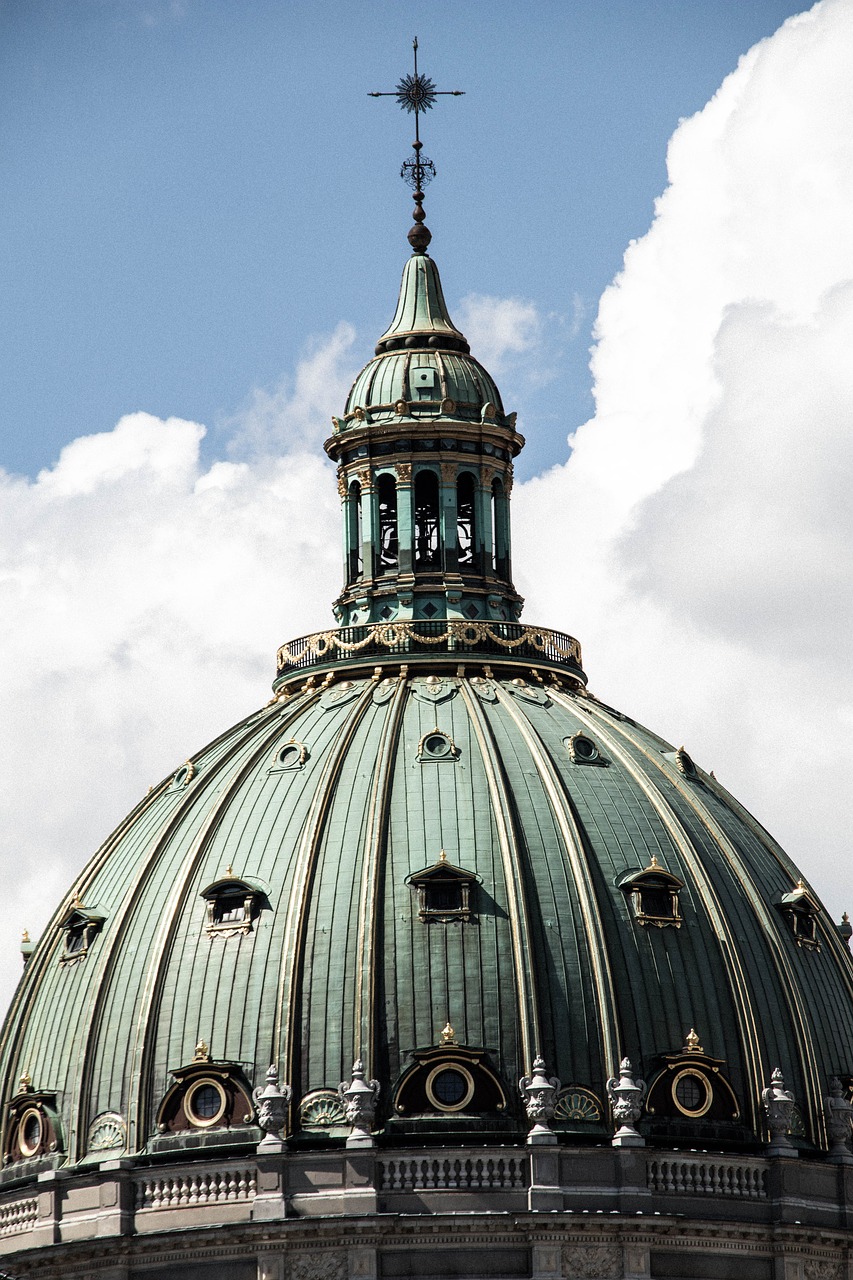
<point>417,93</point>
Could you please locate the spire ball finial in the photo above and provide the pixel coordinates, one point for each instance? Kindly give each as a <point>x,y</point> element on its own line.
<point>415,94</point>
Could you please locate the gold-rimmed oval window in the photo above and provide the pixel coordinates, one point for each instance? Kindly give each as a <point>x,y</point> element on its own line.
<point>449,1086</point>
<point>692,1093</point>
<point>205,1103</point>
<point>30,1132</point>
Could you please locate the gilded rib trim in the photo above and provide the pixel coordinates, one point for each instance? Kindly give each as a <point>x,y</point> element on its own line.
<point>738,984</point>
<point>293,942</point>
<point>573,841</point>
<point>524,960</point>
<point>173,908</point>
<point>374,849</point>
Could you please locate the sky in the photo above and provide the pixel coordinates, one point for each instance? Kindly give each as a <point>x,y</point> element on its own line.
<point>641,216</point>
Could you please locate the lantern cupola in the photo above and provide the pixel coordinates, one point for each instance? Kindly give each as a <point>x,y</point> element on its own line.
<point>425,452</point>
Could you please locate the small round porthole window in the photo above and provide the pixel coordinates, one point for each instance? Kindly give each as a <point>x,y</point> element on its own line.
<point>30,1132</point>
<point>436,745</point>
<point>583,749</point>
<point>290,756</point>
<point>205,1103</point>
<point>691,1093</point>
<point>450,1088</point>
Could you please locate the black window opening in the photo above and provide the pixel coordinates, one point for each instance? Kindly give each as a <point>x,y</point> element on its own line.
<point>465,522</point>
<point>427,549</point>
<point>388,538</point>
<point>355,564</point>
<point>500,564</point>
<point>231,907</point>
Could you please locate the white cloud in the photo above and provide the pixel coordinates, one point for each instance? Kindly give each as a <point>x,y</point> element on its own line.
<point>704,517</point>
<point>298,411</point>
<point>142,598</point>
<point>499,329</point>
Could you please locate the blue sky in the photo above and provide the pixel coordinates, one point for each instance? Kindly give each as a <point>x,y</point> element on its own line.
<point>194,191</point>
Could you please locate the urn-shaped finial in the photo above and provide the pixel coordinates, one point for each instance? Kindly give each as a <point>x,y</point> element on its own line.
<point>539,1092</point>
<point>838,1110</point>
<point>272,1103</point>
<point>627,1093</point>
<point>779,1105</point>
<point>359,1097</point>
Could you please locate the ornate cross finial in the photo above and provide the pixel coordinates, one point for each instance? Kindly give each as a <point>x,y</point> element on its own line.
<point>417,93</point>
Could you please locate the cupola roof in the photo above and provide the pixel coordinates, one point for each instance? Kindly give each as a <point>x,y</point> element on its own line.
<point>422,318</point>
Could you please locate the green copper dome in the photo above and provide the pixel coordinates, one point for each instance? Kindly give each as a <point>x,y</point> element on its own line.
<point>332,801</point>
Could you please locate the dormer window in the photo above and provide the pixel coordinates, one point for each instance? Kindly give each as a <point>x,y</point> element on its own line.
<point>233,903</point>
<point>80,926</point>
<point>653,894</point>
<point>445,893</point>
<point>801,911</point>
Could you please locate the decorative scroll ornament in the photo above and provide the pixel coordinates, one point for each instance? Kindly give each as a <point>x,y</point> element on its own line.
<point>779,1105</point>
<point>359,1097</point>
<point>272,1103</point>
<point>838,1110</point>
<point>539,1092</point>
<point>627,1094</point>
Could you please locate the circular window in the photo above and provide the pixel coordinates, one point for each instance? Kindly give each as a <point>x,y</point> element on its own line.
<point>290,755</point>
<point>685,764</point>
<point>583,748</point>
<point>436,744</point>
<point>450,1088</point>
<point>691,1093</point>
<point>30,1132</point>
<point>205,1103</point>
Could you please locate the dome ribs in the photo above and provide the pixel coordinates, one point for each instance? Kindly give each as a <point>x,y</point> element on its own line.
<point>369,914</point>
<point>752,1020</point>
<point>608,1021</point>
<point>529,1020</point>
<point>147,1022</point>
<point>287,1019</point>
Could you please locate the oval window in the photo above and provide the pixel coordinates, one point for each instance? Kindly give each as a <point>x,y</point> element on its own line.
<point>289,756</point>
<point>436,744</point>
<point>30,1132</point>
<point>692,1093</point>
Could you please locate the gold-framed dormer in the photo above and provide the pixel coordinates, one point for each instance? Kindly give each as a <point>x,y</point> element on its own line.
<point>653,895</point>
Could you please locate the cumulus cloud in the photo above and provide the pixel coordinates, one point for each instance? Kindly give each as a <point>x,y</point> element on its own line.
<point>142,598</point>
<point>704,516</point>
<point>297,412</point>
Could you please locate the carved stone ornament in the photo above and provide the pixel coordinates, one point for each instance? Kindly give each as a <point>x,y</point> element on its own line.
<point>779,1105</point>
<point>359,1097</point>
<point>343,487</point>
<point>328,1264</point>
<point>107,1132</point>
<point>838,1111</point>
<point>404,472</point>
<point>272,1103</point>
<point>627,1094</point>
<point>592,1261</point>
<point>540,1096</point>
<point>822,1269</point>
<point>448,472</point>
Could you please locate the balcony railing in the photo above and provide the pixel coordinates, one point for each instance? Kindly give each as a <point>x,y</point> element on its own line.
<point>420,639</point>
